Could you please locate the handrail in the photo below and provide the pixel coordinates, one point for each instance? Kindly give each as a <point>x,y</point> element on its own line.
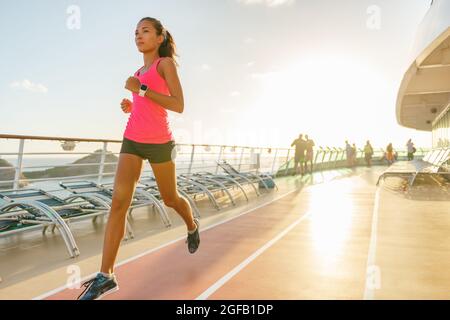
<point>50,138</point>
<point>196,157</point>
<point>15,136</point>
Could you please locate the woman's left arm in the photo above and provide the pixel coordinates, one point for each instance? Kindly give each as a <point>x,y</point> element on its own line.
<point>174,102</point>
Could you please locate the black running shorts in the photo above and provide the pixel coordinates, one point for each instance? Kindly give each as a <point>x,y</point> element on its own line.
<point>153,152</point>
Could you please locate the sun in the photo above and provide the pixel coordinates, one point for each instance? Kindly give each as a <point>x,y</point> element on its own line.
<point>322,95</point>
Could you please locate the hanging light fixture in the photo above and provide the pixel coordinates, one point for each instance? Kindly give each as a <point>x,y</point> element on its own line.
<point>68,145</point>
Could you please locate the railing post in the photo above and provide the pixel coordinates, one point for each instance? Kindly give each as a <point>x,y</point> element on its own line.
<point>287,163</point>
<point>336,158</point>
<point>318,153</point>
<point>329,162</point>
<point>219,158</point>
<point>323,159</point>
<point>257,156</point>
<point>274,160</point>
<point>192,158</point>
<point>324,154</point>
<point>240,159</point>
<point>18,172</point>
<point>102,163</point>
<point>342,155</point>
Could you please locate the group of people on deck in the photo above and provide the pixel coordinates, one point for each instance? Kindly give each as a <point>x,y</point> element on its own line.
<point>304,154</point>
<point>389,155</point>
<point>351,153</point>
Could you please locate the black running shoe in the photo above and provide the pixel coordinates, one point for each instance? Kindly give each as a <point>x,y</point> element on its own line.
<point>193,240</point>
<point>98,287</point>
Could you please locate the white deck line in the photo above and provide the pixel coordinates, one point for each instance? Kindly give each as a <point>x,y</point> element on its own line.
<point>59,289</point>
<point>369,289</point>
<point>208,292</point>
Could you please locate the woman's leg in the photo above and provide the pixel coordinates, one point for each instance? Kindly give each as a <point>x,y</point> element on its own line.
<point>167,184</point>
<point>127,175</point>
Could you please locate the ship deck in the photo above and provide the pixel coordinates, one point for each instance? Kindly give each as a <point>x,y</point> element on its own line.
<point>331,235</point>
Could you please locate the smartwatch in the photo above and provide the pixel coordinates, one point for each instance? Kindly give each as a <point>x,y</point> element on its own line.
<point>143,90</point>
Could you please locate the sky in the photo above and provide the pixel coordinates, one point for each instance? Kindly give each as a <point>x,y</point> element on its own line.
<point>253,72</point>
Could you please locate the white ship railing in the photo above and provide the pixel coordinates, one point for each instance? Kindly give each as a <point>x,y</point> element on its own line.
<point>190,158</point>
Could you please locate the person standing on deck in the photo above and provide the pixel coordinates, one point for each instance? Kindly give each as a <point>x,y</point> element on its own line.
<point>390,154</point>
<point>309,153</point>
<point>411,150</point>
<point>155,88</point>
<point>300,147</point>
<point>368,153</point>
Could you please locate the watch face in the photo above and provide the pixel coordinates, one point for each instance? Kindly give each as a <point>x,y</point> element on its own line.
<point>143,87</point>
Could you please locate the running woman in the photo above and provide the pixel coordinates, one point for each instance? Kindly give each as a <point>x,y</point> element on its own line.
<point>155,88</point>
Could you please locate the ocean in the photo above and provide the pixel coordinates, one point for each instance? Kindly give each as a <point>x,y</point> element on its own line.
<point>204,162</point>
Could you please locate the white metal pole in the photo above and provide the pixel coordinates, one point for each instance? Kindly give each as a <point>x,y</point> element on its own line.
<point>274,160</point>
<point>19,165</point>
<point>192,158</point>
<point>102,163</point>
<point>218,160</point>
<point>240,159</point>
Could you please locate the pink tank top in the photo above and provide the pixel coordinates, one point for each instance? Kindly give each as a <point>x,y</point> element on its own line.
<point>148,121</point>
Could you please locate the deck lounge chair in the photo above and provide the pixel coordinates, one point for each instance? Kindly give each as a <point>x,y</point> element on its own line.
<point>262,179</point>
<point>30,215</point>
<point>148,184</point>
<point>141,198</point>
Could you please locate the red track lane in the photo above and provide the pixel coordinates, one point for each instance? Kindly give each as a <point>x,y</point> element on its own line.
<point>172,273</point>
<point>295,267</point>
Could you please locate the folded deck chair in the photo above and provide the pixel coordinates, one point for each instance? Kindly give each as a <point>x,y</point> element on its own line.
<point>69,208</point>
<point>10,220</point>
<point>208,185</point>
<point>141,198</point>
<point>27,214</point>
<point>430,163</point>
<point>148,184</point>
<point>262,179</point>
<point>5,225</point>
<point>225,179</point>
<point>220,182</point>
<point>6,222</point>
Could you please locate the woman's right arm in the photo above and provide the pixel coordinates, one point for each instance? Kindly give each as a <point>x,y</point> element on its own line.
<point>126,105</point>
